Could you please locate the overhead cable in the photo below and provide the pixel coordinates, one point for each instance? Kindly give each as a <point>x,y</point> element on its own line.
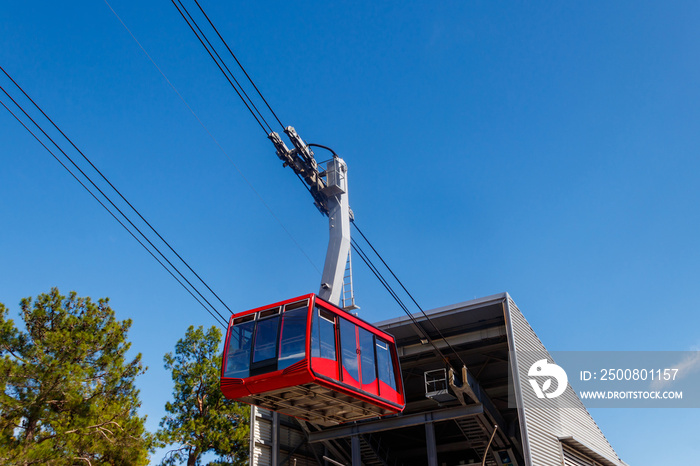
<point>204,41</point>
<point>239,63</point>
<point>103,194</point>
<point>218,144</point>
<point>228,74</point>
<point>408,293</point>
<point>418,327</point>
<point>216,318</point>
<point>222,65</point>
<point>221,60</point>
<point>115,190</point>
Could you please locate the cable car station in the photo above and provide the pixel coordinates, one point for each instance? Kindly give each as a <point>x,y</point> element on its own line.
<point>493,418</point>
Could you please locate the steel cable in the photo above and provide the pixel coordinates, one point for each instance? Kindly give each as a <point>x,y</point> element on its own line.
<point>102,192</point>
<point>112,186</point>
<point>218,65</point>
<point>239,63</point>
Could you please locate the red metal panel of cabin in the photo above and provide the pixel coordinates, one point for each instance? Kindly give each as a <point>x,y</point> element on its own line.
<point>320,367</point>
<point>296,374</point>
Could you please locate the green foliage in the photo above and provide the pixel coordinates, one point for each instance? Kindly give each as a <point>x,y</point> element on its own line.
<point>200,419</point>
<point>68,392</point>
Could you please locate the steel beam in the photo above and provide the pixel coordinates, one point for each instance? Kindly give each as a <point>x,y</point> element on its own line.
<point>356,453</point>
<point>455,340</point>
<point>431,447</point>
<point>395,422</point>
<point>275,437</point>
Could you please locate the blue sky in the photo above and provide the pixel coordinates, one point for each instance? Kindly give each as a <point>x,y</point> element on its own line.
<point>549,150</point>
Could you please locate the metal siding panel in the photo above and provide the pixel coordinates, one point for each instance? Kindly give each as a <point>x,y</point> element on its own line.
<point>261,437</point>
<point>517,390</point>
<point>262,456</point>
<point>541,425</point>
<point>573,458</point>
<point>263,431</point>
<point>544,426</point>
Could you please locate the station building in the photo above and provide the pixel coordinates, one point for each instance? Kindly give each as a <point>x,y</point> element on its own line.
<point>484,412</point>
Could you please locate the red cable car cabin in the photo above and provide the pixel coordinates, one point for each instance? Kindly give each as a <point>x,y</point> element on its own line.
<point>309,359</point>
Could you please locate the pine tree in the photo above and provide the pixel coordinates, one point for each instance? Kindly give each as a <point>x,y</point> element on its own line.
<point>68,391</point>
<point>200,420</point>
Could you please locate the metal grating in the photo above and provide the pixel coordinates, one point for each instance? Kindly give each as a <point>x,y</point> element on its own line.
<point>316,404</point>
<point>477,437</point>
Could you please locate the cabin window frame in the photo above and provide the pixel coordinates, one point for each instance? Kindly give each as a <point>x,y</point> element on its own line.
<point>371,348</point>
<point>321,346</point>
<point>343,343</point>
<point>270,364</point>
<point>283,363</point>
<point>392,373</point>
<point>239,327</point>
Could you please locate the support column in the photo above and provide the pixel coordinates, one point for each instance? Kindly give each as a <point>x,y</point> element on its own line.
<point>339,233</point>
<point>430,444</point>
<point>275,438</point>
<point>356,455</point>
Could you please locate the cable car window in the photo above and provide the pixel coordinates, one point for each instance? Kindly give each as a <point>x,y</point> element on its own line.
<point>348,345</point>
<point>269,312</point>
<point>385,367</point>
<point>293,341</point>
<point>266,339</point>
<point>297,305</point>
<point>323,334</point>
<point>238,357</point>
<point>240,320</point>
<point>369,375</point>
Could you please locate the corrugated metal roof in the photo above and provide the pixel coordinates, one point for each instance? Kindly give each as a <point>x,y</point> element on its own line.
<point>545,424</point>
